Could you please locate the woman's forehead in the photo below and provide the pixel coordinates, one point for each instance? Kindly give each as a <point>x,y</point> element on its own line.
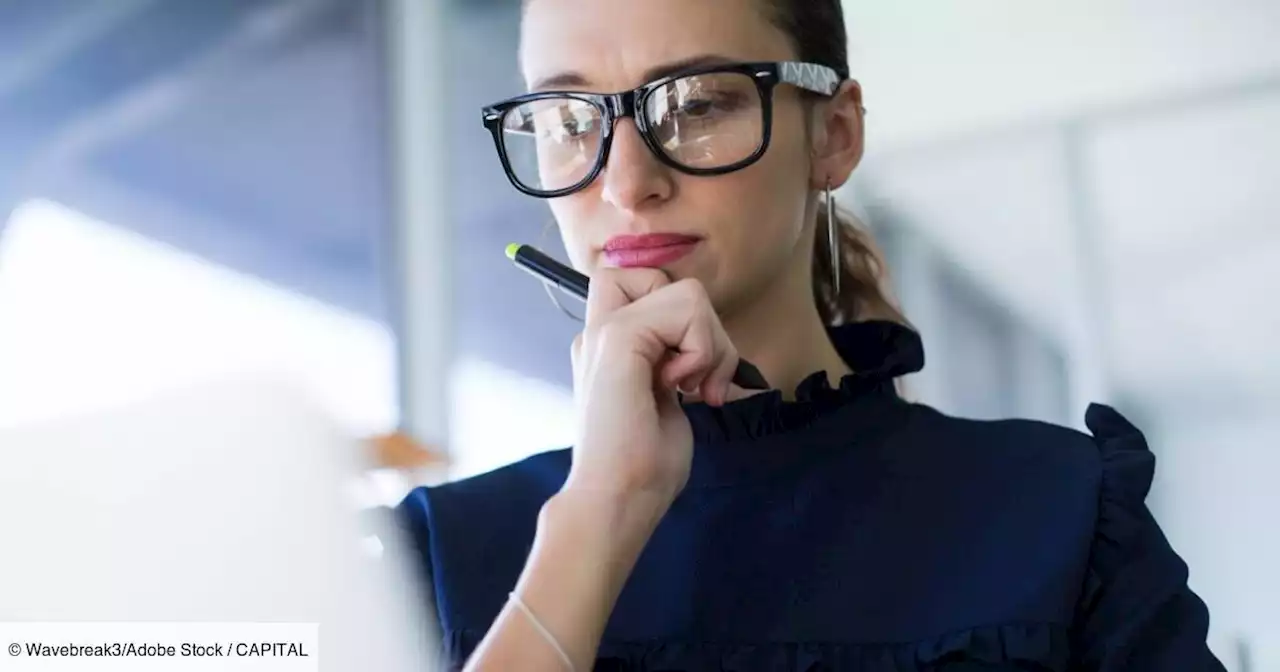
<point>612,45</point>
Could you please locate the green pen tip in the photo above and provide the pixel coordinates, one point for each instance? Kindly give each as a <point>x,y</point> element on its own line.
<point>512,249</point>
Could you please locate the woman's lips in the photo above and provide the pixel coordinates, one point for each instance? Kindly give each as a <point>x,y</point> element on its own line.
<point>648,251</point>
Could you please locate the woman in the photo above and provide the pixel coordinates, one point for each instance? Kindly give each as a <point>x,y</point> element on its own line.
<point>827,524</point>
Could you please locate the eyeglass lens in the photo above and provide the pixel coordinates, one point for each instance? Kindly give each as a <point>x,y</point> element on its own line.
<point>704,121</point>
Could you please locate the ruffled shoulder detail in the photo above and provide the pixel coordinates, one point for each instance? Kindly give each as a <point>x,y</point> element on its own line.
<point>1128,466</point>
<point>878,352</point>
<point>1128,469</point>
<point>1039,646</point>
<point>1135,611</point>
<point>1130,563</point>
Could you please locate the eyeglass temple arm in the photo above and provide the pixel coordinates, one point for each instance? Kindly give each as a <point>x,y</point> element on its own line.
<point>809,76</point>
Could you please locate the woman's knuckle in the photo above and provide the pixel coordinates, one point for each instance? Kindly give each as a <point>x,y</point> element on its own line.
<point>656,277</point>
<point>690,294</point>
<point>692,288</point>
<point>703,357</point>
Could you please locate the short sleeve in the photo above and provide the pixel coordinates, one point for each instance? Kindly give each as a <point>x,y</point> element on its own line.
<point>415,525</point>
<point>1137,613</point>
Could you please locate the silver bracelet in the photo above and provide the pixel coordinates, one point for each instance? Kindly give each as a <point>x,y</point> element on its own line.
<point>546,634</point>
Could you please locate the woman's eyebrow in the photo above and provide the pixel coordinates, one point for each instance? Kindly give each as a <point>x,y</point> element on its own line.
<point>577,79</point>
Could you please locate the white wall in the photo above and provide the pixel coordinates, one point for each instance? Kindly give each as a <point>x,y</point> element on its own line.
<point>1215,496</point>
<point>933,68</point>
<point>93,316</point>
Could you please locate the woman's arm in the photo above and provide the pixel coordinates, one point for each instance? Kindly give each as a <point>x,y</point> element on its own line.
<point>586,546</point>
<point>645,337</point>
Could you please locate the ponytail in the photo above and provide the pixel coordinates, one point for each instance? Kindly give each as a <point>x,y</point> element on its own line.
<point>818,33</point>
<point>864,274</point>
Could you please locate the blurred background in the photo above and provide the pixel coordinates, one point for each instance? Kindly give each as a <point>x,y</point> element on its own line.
<point>1079,201</point>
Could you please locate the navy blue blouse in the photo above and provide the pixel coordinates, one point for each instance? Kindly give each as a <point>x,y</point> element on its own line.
<point>852,530</point>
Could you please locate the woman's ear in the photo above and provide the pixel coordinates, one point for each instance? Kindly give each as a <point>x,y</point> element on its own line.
<point>838,136</point>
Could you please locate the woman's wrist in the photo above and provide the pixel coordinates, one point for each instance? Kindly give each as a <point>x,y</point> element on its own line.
<point>586,545</point>
<point>588,542</point>
<point>606,527</point>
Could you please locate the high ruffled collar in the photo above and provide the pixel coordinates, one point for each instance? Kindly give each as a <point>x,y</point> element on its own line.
<point>742,436</point>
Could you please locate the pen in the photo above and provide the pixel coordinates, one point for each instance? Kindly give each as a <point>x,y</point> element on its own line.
<point>747,376</point>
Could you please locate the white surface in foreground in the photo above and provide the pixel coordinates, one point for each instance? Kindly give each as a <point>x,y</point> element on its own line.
<point>227,503</point>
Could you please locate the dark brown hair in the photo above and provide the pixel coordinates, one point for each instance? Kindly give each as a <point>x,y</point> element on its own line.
<point>818,34</point>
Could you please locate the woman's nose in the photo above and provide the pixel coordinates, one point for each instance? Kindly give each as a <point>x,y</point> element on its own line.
<point>633,177</point>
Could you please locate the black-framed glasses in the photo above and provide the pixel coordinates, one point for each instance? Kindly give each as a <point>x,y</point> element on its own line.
<point>710,121</point>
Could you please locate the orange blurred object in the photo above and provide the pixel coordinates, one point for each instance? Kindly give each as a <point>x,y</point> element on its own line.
<point>400,451</point>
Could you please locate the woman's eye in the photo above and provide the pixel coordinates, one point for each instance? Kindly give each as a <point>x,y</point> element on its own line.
<point>568,130</point>
<point>702,107</point>
<point>578,129</point>
<point>696,108</point>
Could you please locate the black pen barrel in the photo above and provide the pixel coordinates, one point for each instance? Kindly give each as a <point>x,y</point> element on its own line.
<point>538,263</point>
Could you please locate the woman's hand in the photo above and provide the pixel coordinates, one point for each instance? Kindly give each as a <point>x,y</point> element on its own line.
<point>645,338</point>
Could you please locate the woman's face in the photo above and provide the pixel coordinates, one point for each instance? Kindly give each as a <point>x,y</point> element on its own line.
<point>747,227</point>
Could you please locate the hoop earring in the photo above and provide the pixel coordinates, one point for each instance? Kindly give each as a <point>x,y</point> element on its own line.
<point>833,240</point>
